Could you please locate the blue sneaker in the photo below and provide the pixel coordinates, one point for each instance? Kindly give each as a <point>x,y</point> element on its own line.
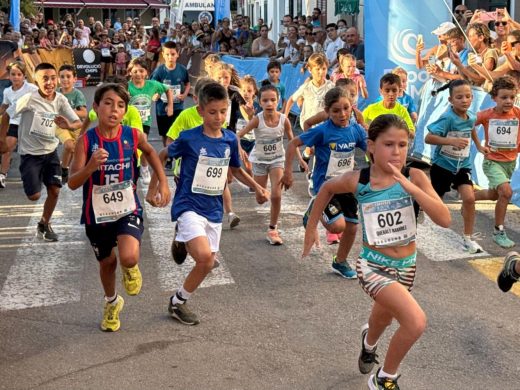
<point>307,213</point>
<point>343,269</point>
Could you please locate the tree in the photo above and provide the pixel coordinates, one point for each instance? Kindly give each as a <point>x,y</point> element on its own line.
<point>27,7</point>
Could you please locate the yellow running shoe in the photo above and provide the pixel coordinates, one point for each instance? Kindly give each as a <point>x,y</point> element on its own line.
<point>111,312</point>
<point>132,280</point>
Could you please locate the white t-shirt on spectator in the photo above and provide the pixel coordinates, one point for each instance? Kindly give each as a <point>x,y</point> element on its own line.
<point>332,48</point>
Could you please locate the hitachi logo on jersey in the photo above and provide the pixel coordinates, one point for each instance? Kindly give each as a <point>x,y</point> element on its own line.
<point>115,167</point>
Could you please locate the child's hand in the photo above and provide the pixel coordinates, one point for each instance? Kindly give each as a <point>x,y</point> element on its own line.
<point>156,97</point>
<point>399,177</point>
<point>312,238</point>
<point>262,195</point>
<point>506,47</point>
<point>61,122</point>
<point>460,143</point>
<point>98,158</point>
<point>169,111</point>
<point>286,181</point>
<point>483,149</point>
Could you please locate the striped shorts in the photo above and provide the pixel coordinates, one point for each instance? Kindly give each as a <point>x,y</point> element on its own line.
<point>373,277</point>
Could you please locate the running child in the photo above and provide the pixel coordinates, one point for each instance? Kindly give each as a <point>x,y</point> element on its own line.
<point>41,113</point>
<point>105,47</point>
<point>19,87</point>
<point>451,164</point>
<point>78,102</point>
<point>386,264</point>
<point>335,142</point>
<point>142,93</point>
<point>105,164</point>
<point>268,153</point>
<point>207,152</point>
<point>502,142</point>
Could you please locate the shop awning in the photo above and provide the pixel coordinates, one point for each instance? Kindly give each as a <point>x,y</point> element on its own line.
<point>156,4</point>
<point>107,4</point>
<point>60,3</point>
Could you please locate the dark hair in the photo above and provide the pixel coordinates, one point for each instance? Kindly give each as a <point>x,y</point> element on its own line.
<point>212,92</point>
<point>331,25</point>
<point>341,52</point>
<point>170,45</point>
<point>451,85</point>
<point>333,96</point>
<point>274,65</point>
<point>342,83</point>
<point>268,87</point>
<point>201,83</point>
<point>118,89</point>
<point>317,9</point>
<point>389,78</point>
<point>481,29</point>
<point>504,82</point>
<point>455,33</point>
<point>44,66</point>
<point>68,68</point>
<point>383,122</point>
<point>141,61</point>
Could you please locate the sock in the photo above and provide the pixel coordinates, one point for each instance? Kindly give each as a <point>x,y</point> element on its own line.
<point>498,229</point>
<point>111,300</point>
<point>467,237</point>
<point>272,227</point>
<point>382,374</point>
<point>181,296</point>
<point>368,347</point>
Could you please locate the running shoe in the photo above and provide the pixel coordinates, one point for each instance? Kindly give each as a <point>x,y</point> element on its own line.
<point>505,278</point>
<point>111,312</point>
<point>500,237</point>
<point>376,383</point>
<point>273,236</point>
<point>132,280</point>
<point>182,313</point>
<point>367,359</point>
<point>233,220</point>
<point>308,212</point>
<point>2,180</point>
<point>64,175</point>
<point>343,269</point>
<point>179,252</point>
<point>310,187</point>
<point>472,247</point>
<point>145,175</point>
<point>332,238</point>
<point>45,232</point>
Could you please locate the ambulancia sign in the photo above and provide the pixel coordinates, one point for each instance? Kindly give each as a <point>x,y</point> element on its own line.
<point>199,6</point>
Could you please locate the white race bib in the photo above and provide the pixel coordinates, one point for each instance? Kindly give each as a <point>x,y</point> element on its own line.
<point>105,52</point>
<point>503,133</point>
<point>43,125</point>
<point>339,163</point>
<point>389,222</point>
<point>453,152</point>
<point>241,123</point>
<point>144,113</point>
<point>210,176</point>
<point>113,201</point>
<point>269,150</point>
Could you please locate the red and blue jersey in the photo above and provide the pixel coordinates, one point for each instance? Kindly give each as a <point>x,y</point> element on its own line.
<point>120,166</point>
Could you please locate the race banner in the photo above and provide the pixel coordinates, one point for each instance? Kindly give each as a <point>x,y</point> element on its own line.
<point>88,65</point>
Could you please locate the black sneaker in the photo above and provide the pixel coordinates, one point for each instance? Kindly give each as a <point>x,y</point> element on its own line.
<point>179,252</point>
<point>505,279</point>
<point>64,175</point>
<point>182,314</point>
<point>367,359</point>
<point>376,383</point>
<point>45,232</point>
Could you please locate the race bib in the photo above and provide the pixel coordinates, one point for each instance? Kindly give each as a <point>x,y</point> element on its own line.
<point>503,133</point>
<point>176,92</point>
<point>210,176</point>
<point>105,52</point>
<point>269,150</point>
<point>389,222</point>
<point>453,152</point>
<point>339,163</point>
<point>144,113</point>
<point>241,123</point>
<point>113,201</point>
<point>43,125</point>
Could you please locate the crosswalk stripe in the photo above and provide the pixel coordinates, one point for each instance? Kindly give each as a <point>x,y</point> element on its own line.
<point>46,274</point>
<point>170,274</point>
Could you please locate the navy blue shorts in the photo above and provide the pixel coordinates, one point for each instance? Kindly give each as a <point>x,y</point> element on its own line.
<point>36,170</point>
<point>103,237</point>
<point>12,131</point>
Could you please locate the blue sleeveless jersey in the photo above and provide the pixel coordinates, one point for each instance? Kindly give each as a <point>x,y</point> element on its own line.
<point>120,166</point>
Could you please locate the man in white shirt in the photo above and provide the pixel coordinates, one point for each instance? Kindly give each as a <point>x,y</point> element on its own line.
<point>333,43</point>
<point>85,36</point>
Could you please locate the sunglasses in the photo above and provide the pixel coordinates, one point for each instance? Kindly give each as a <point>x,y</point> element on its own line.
<point>514,43</point>
<point>500,23</point>
<point>460,11</point>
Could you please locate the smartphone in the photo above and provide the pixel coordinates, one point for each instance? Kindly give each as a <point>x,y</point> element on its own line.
<point>488,16</point>
<point>432,60</point>
<point>420,39</point>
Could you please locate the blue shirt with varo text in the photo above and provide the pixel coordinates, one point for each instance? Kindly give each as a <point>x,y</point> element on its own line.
<point>177,80</point>
<point>327,137</point>
<point>189,146</point>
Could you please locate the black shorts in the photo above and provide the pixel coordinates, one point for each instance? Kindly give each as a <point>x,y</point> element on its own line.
<point>443,180</point>
<point>12,131</point>
<point>344,205</point>
<point>247,145</point>
<point>103,237</point>
<point>164,122</point>
<point>146,129</point>
<point>36,170</point>
<point>106,60</point>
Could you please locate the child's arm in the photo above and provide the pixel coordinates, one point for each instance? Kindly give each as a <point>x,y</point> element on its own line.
<point>3,107</point>
<point>314,120</point>
<point>360,119</point>
<point>262,195</point>
<point>252,124</point>
<point>80,168</point>
<point>433,139</point>
<point>81,112</point>
<point>290,137</point>
<point>362,85</point>
<point>292,149</point>
<point>64,123</point>
<point>4,125</point>
<point>476,140</point>
<point>288,106</point>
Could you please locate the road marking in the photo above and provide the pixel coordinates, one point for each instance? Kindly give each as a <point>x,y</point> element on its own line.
<point>490,268</point>
<point>171,275</point>
<point>46,273</point>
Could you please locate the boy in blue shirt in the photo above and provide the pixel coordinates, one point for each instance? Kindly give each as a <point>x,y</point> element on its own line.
<point>207,152</point>
<point>274,70</point>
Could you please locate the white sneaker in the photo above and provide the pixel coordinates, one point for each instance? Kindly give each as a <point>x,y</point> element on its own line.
<point>2,180</point>
<point>233,220</point>
<point>472,247</point>
<point>145,175</point>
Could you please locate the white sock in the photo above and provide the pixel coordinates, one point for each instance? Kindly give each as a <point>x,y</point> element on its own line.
<point>467,237</point>
<point>111,300</point>
<point>382,374</point>
<point>181,296</point>
<point>369,347</point>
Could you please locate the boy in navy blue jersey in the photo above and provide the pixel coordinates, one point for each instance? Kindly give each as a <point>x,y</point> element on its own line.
<point>207,152</point>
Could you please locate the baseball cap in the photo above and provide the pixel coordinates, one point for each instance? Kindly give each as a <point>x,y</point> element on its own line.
<point>443,28</point>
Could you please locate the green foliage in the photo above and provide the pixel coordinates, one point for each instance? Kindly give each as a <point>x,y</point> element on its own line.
<point>27,7</point>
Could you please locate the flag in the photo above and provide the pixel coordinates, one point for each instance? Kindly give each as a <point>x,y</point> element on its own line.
<point>14,14</point>
<point>222,10</point>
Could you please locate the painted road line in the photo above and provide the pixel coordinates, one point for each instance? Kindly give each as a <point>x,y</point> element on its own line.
<point>46,274</point>
<point>171,275</point>
<point>441,244</point>
<point>490,268</point>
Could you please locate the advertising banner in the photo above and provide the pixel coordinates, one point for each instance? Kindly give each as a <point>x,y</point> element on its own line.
<point>88,65</point>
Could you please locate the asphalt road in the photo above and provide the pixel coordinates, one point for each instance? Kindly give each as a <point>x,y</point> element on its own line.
<point>269,320</point>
